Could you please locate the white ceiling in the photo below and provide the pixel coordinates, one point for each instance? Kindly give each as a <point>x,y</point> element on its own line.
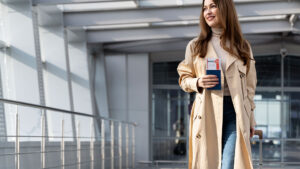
<point>146,25</point>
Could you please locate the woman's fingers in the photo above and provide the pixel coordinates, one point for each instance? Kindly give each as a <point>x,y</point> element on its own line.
<point>211,83</point>
<point>208,81</point>
<point>209,78</point>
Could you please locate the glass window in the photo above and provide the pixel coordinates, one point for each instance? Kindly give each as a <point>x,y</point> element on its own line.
<point>165,73</point>
<point>291,71</point>
<point>268,70</point>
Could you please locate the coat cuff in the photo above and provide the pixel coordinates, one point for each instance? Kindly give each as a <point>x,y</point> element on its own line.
<point>194,85</point>
<point>252,120</point>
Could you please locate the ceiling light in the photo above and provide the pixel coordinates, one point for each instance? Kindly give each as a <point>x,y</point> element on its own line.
<point>97,6</point>
<point>116,26</point>
<point>262,18</point>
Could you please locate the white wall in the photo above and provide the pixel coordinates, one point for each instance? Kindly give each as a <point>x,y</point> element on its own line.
<point>18,66</point>
<point>81,84</point>
<point>19,73</point>
<point>128,93</point>
<point>138,102</point>
<point>55,74</point>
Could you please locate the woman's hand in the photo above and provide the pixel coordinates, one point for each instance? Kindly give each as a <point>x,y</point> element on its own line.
<point>208,81</point>
<point>251,132</point>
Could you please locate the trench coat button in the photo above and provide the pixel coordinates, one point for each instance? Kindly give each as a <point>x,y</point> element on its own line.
<point>199,117</point>
<point>198,136</point>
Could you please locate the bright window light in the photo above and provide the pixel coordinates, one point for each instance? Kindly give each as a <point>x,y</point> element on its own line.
<point>97,6</point>
<point>117,26</point>
<point>173,23</point>
<point>161,3</point>
<point>262,18</point>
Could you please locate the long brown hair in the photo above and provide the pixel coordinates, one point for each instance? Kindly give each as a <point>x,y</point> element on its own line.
<point>228,19</point>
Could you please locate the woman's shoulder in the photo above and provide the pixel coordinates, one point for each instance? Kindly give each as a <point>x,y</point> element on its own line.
<point>192,42</point>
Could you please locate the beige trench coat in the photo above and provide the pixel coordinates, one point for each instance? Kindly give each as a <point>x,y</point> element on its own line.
<point>206,120</point>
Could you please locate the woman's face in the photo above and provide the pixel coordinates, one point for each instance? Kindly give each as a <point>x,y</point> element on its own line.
<point>210,11</point>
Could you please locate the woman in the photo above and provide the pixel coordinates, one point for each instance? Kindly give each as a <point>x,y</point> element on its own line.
<point>222,121</point>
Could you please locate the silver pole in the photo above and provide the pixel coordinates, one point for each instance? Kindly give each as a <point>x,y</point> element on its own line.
<point>92,144</point>
<point>62,146</point>
<point>78,146</point>
<point>43,141</point>
<point>120,145</point>
<point>260,154</point>
<point>168,123</point>
<point>282,118</point>
<point>133,146</point>
<point>179,105</point>
<point>112,144</point>
<point>103,143</point>
<point>153,114</point>
<point>127,145</point>
<point>168,113</point>
<point>17,143</point>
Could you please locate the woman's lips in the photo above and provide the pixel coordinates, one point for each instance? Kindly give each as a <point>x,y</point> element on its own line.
<point>210,18</point>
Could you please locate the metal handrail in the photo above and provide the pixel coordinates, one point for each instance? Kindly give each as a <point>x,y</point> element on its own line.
<point>102,139</point>
<point>62,110</point>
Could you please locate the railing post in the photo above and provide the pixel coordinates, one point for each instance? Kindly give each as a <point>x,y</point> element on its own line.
<point>17,143</point>
<point>112,144</point>
<point>260,154</point>
<point>120,145</point>
<point>133,146</point>
<point>78,146</point>
<point>127,145</point>
<point>92,144</point>
<point>103,143</point>
<point>43,140</point>
<point>62,146</point>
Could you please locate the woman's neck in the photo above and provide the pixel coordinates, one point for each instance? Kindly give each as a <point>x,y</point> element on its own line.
<point>217,31</point>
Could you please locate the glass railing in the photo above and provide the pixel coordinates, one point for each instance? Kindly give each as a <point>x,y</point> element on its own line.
<point>93,142</point>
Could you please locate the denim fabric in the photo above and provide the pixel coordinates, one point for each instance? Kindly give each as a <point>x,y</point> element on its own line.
<point>229,134</point>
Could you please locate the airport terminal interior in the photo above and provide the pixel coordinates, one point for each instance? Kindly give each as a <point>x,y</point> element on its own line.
<point>93,84</point>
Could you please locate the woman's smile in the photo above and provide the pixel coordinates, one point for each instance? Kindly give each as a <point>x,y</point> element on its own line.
<point>210,18</point>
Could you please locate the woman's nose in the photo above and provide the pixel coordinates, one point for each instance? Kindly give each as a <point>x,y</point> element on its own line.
<point>208,10</point>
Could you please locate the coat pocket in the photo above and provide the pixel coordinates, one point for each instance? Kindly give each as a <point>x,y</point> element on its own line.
<point>247,107</point>
<point>242,73</point>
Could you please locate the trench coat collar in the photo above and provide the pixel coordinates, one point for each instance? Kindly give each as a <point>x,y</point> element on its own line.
<point>212,53</point>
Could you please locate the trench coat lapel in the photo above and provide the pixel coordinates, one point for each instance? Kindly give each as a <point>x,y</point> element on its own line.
<point>229,60</point>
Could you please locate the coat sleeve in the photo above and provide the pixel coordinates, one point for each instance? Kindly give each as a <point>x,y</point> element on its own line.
<point>186,71</point>
<point>251,87</point>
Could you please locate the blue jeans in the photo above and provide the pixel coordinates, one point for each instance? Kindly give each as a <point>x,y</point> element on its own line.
<point>229,134</point>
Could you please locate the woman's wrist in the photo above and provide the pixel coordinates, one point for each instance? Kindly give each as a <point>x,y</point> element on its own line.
<point>200,89</point>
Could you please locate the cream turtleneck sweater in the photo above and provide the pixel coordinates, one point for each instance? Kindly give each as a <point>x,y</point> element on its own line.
<point>222,54</point>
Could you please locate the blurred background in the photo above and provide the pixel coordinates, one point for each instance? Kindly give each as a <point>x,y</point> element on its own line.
<point>93,83</point>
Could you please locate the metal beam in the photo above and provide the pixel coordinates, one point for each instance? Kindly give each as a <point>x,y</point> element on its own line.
<point>150,33</point>
<point>142,3</point>
<point>81,19</point>
<point>57,2</point>
<point>173,49</point>
<point>3,45</point>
